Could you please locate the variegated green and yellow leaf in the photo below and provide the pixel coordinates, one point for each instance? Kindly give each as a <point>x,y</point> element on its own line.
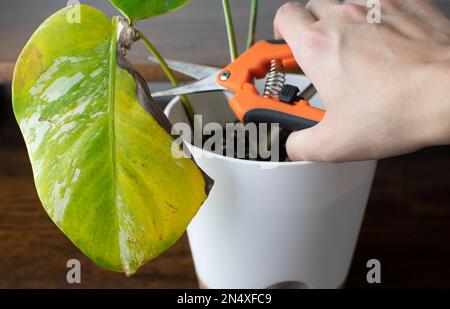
<point>102,164</point>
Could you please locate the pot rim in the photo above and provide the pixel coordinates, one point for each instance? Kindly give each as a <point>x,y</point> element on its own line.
<point>176,100</point>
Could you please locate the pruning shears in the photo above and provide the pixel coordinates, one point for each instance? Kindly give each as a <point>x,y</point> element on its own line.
<point>280,103</point>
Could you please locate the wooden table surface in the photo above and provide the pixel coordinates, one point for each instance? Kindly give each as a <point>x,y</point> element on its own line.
<point>406,227</point>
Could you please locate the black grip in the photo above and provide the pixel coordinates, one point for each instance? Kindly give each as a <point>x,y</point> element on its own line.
<point>273,41</point>
<point>286,121</point>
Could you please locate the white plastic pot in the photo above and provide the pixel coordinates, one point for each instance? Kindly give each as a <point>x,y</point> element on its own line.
<point>295,225</point>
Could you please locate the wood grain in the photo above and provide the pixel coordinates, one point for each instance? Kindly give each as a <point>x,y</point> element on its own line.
<point>407,223</point>
<point>6,72</point>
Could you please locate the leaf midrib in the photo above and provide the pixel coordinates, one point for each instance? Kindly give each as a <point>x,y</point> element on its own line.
<point>111,114</point>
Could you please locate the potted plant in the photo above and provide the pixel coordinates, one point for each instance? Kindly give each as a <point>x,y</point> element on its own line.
<point>105,171</point>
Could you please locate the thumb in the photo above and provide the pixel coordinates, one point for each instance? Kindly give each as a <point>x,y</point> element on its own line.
<point>309,144</point>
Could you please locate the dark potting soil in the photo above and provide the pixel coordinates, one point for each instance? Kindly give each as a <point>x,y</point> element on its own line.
<point>231,140</point>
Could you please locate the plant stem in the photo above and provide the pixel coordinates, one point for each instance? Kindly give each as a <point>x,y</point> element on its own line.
<point>252,23</point>
<point>168,72</point>
<point>230,30</point>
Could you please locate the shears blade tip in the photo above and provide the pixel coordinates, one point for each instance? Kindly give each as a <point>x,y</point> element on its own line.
<point>204,85</point>
<point>196,71</point>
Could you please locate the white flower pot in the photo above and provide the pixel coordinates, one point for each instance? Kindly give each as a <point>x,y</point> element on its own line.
<point>295,225</point>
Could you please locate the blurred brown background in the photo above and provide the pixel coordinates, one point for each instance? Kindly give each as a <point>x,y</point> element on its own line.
<point>407,223</point>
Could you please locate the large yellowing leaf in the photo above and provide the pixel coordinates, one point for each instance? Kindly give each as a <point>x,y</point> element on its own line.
<point>99,146</point>
<point>142,9</point>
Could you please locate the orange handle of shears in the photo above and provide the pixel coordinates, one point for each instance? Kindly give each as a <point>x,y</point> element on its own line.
<point>248,105</point>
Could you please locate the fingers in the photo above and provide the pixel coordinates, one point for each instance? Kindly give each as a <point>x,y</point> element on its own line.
<point>327,142</point>
<point>332,140</point>
<point>305,145</point>
<point>290,21</point>
<point>319,8</point>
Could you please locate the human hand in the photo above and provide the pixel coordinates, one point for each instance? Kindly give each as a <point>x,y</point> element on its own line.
<point>386,86</point>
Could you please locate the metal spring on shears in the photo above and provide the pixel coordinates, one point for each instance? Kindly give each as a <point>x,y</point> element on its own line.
<point>276,79</point>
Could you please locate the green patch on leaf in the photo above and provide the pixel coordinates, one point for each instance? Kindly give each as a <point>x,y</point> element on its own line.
<point>141,9</point>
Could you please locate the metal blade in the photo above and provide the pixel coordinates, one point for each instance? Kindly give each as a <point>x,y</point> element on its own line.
<point>204,85</point>
<point>193,70</point>
<point>309,92</point>
<point>229,95</point>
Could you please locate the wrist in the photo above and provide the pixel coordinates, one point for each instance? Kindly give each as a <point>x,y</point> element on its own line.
<point>435,105</point>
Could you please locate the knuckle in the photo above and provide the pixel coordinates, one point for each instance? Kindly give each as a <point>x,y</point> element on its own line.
<point>287,7</point>
<point>389,5</point>
<point>314,39</point>
<point>310,4</point>
<point>352,11</point>
<point>282,12</point>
